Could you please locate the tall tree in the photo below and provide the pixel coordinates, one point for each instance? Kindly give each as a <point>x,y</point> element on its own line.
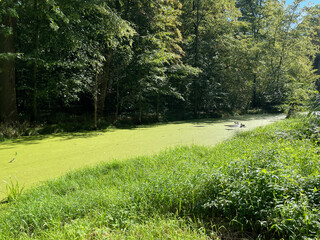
<point>38,41</point>
<point>206,26</point>
<point>277,60</point>
<point>314,20</point>
<point>252,14</point>
<point>157,52</point>
<point>104,32</point>
<point>66,50</point>
<point>8,104</point>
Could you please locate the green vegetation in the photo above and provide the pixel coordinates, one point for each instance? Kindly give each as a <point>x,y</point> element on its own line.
<point>37,158</point>
<point>260,184</point>
<point>71,68</point>
<point>142,60</point>
<point>13,191</point>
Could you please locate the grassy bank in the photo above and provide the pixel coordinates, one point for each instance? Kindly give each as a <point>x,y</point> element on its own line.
<point>260,184</point>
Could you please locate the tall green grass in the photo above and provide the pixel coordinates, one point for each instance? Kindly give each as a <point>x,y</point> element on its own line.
<point>13,190</point>
<point>261,184</point>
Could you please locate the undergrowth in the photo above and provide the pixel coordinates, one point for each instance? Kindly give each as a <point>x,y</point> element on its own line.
<point>262,184</point>
<point>17,129</point>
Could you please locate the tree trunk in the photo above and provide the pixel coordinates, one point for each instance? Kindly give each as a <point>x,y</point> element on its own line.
<point>34,113</point>
<point>254,92</point>
<point>103,85</point>
<point>196,33</point>
<point>140,105</point>
<point>196,7</point>
<point>118,100</point>
<point>158,107</point>
<point>95,101</point>
<point>8,102</point>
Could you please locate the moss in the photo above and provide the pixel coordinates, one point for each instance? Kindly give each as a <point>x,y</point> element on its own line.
<point>39,158</point>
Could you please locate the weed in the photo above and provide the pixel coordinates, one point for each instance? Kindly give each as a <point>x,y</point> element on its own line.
<point>13,190</point>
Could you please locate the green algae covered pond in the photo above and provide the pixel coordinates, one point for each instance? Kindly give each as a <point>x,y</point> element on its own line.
<point>32,160</point>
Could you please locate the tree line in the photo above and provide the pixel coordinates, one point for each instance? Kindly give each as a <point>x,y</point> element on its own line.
<point>142,58</point>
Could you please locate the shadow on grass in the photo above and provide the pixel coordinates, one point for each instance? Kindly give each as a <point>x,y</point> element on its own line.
<point>29,140</point>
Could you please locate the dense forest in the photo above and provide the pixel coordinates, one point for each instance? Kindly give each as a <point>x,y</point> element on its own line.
<point>154,59</point>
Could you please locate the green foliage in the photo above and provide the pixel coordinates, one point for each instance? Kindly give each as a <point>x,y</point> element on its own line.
<point>209,28</point>
<point>8,8</point>
<point>261,184</point>
<point>160,57</point>
<point>63,47</point>
<point>278,52</point>
<point>316,104</point>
